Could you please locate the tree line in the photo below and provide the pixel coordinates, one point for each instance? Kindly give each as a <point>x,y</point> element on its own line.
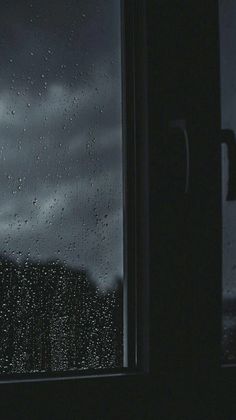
<point>54,318</point>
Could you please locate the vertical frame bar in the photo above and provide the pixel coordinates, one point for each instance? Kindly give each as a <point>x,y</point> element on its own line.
<point>136,209</point>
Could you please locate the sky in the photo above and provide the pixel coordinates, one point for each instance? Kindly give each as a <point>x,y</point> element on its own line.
<point>61,134</point>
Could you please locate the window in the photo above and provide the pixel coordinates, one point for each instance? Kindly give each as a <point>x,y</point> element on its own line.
<point>72,251</point>
<point>62,240</point>
<point>183,263</point>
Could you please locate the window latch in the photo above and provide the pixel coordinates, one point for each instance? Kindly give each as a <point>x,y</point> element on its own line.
<point>179,154</point>
<point>228,137</point>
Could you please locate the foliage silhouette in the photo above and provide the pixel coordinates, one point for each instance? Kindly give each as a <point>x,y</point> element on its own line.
<point>53,318</point>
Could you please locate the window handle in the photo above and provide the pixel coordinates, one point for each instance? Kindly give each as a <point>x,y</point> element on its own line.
<point>228,137</point>
<point>180,149</point>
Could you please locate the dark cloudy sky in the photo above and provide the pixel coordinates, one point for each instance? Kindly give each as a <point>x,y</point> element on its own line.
<point>60,134</point>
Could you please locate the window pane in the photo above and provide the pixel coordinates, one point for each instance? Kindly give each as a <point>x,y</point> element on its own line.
<point>61,235</point>
<point>228,104</point>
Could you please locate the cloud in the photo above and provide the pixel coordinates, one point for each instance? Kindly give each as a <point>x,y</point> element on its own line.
<point>61,139</point>
<point>61,183</point>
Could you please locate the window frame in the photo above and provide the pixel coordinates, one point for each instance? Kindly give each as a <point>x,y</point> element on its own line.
<point>156,384</point>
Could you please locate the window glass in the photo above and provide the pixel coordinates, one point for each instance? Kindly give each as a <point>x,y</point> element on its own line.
<point>61,220</point>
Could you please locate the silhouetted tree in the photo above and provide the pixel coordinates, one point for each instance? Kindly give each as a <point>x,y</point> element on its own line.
<point>54,318</point>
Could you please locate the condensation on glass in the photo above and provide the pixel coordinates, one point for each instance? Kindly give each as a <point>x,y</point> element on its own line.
<point>227,14</point>
<point>61,217</point>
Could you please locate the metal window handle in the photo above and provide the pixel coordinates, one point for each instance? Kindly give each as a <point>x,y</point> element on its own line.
<point>181,127</point>
<point>228,137</point>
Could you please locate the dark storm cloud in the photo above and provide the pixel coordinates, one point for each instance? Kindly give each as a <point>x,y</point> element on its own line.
<point>60,134</point>
<point>63,40</point>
